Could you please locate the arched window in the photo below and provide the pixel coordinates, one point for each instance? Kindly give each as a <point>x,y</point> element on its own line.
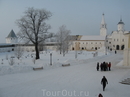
<point>117,47</point>
<point>122,47</point>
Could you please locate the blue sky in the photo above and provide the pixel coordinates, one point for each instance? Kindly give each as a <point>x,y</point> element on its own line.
<point>82,17</point>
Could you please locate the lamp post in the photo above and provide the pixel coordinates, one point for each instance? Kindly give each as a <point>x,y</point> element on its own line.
<point>106,45</point>
<point>50,58</point>
<point>76,51</point>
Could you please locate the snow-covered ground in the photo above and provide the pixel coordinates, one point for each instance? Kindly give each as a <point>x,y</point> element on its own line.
<point>26,63</point>
<point>80,79</point>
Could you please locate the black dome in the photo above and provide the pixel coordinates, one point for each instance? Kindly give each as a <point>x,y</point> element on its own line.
<point>121,22</point>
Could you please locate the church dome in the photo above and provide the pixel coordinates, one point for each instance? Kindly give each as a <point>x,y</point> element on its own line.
<point>121,22</point>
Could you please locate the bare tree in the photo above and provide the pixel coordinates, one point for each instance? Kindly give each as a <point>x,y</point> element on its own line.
<point>18,51</point>
<point>63,39</point>
<point>33,27</point>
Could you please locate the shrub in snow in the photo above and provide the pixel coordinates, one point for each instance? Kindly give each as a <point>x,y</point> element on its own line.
<point>2,61</point>
<point>11,61</point>
<point>6,57</point>
<point>34,60</point>
<point>18,52</point>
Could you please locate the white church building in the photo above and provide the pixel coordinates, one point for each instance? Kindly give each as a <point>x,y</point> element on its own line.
<point>91,42</point>
<point>116,40</point>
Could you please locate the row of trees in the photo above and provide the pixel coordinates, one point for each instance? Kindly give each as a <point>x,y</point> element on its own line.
<point>33,28</point>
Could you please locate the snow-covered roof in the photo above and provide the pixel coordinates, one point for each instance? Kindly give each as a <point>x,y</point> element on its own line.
<point>92,38</point>
<point>4,44</point>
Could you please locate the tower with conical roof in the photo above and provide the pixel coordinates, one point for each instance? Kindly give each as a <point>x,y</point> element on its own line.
<point>103,28</point>
<point>12,38</point>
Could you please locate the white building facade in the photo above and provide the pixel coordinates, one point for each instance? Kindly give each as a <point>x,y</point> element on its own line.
<point>91,43</point>
<point>116,41</point>
<point>126,59</point>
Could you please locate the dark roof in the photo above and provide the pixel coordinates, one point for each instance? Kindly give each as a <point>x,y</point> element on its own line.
<point>73,37</point>
<point>121,22</point>
<point>12,34</point>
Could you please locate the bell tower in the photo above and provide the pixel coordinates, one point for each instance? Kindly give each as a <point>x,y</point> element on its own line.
<point>103,28</point>
<point>120,25</point>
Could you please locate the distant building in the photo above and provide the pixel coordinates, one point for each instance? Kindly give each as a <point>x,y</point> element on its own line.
<point>12,38</point>
<point>116,40</point>
<point>12,43</point>
<point>91,42</point>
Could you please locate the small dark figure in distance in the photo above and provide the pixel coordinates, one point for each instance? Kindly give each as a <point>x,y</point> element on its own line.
<point>97,66</point>
<point>109,66</point>
<point>115,52</point>
<point>100,95</point>
<point>104,82</point>
<point>104,66</point>
<point>101,66</point>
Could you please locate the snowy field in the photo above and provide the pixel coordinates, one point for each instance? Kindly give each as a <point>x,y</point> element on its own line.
<point>80,79</point>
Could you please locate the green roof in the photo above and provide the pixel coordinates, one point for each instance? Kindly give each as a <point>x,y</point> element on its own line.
<point>12,34</point>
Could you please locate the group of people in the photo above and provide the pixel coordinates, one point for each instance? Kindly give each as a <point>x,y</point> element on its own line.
<point>104,66</point>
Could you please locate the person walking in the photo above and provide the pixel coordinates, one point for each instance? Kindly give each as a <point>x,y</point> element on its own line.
<point>104,66</point>
<point>115,52</point>
<point>109,66</point>
<point>101,66</point>
<point>97,66</point>
<point>100,95</point>
<point>104,82</point>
